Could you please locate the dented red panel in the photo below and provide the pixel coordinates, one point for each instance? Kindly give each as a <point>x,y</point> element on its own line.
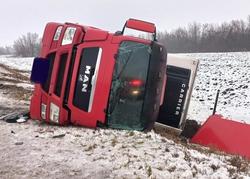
<point>224,134</point>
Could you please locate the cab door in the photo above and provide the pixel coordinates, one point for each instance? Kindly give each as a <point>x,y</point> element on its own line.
<point>91,80</point>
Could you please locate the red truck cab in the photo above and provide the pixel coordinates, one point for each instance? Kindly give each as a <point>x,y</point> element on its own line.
<point>92,77</point>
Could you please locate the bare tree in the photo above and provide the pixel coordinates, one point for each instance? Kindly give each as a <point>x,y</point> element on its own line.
<point>2,51</point>
<point>194,31</point>
<point>233,36</point>
<point>27,45</point>
<point>7,50</point>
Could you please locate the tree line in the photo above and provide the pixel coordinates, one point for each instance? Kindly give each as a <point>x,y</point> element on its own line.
<point>226,37</point>
<point>7,50</point>
<point>25,46</point>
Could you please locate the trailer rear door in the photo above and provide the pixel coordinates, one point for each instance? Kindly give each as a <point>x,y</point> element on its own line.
<point>181,73</point>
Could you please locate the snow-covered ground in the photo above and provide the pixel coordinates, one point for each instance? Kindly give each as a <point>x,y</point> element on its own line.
<point>229,73</point>
<point>35,150</point>
<point>24,64</point>
<point>15,88</point>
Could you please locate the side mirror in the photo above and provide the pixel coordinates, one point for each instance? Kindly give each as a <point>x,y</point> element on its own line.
<point>140,26</point>
<point>40,70</point>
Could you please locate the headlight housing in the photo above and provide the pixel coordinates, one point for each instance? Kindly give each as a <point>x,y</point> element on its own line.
<point>43,111</point>
<point>54,113</point>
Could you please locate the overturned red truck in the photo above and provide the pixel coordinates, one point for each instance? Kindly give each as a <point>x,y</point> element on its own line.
<point>90,77</point>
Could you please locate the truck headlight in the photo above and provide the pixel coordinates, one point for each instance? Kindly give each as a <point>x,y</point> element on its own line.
<point>54,113</point>
<point>68,35</point>
<point>43,111</point>
<point>135,92</point>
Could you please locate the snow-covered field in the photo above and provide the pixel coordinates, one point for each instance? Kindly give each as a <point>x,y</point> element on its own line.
<point>24,64</point>
<point>35,150</point>
<point>229,73</point>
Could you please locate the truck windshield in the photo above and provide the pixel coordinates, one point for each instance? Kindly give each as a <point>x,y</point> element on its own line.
<point>128,86</point>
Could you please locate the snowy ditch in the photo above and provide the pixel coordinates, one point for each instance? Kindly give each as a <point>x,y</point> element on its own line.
<point>35,150</point>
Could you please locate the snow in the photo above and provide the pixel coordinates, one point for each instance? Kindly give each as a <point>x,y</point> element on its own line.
<point>102,153</point>
<point>24,64</point>
<point>229,73</point>
<point>5,101</point>
<point>37,150</point>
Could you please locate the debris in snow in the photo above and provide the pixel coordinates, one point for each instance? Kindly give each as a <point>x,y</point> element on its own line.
<point>19,143</point>
<point>22,119</point>
<point>16,117</point>
<point>58,136</point>
<point>190,129</point>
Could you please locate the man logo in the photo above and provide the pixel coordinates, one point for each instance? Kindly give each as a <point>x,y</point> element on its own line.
<point>85,78</point>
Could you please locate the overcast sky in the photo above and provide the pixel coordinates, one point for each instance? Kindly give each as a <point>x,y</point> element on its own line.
<point>18,17</point>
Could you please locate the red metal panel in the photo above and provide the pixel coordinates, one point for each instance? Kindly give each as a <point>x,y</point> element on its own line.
<point>141,25</point>
<point>47,39</point>
<point>93,34</point>
<point>48,44</point>
<point>35,110</point>
<point>224,134</point>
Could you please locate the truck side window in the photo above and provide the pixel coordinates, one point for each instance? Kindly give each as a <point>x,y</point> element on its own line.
<point>84,89</point>
<point>60,74</point>
<point>51,58</point>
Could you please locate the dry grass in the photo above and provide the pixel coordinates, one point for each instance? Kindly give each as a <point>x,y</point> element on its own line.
<point>16,74</point>
<point>241,164</point>
<point>114,141</point>
<point>12,78</point>
<point>90,148</point>
<point>16,92</point>
<point>149,171</point>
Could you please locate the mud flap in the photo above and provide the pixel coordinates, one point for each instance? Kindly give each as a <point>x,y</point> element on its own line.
<point>181,73</point>
<point>225,135</point>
